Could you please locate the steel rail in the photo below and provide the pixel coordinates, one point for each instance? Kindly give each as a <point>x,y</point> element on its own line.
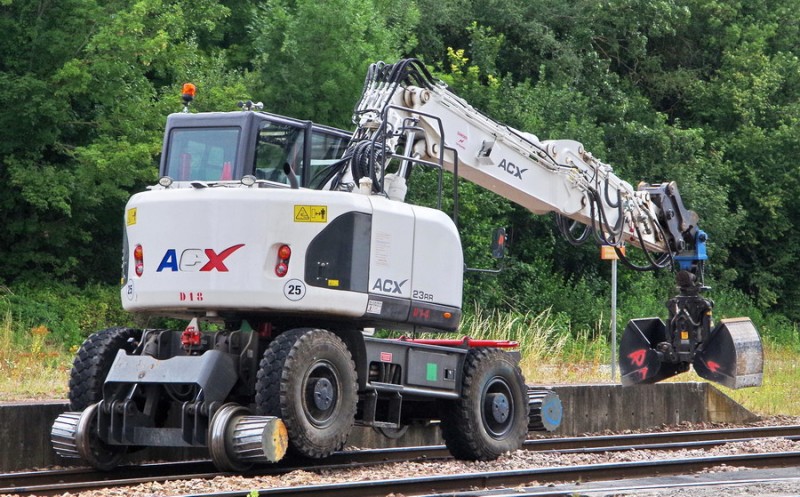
<point>53,481</point>
<point>503,479</point>
<point>666,437</point>
<point>617,488</point>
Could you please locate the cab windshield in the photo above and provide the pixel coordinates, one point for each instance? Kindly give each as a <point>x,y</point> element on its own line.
<point>204,154</point>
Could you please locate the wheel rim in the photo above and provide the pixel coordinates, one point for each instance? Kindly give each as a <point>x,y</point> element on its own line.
<point>89,446</point>
<point>218,437</point>
<point>498,407</point>
<point>321,394</point>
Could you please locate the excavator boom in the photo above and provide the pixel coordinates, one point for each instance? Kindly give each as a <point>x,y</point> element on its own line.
<point>407,117</point>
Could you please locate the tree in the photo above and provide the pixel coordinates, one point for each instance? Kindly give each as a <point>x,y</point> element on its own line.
<point>83,88</point>
<point>312,56</point>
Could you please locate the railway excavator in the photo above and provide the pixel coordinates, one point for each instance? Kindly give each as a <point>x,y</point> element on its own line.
<point>283,243</point>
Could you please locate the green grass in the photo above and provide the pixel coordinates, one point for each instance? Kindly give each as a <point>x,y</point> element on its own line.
<point>778,394</point>
<point>32,364</point>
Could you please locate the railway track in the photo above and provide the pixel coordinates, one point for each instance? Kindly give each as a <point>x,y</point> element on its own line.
<point>717,486</point>
<point>53,482</point>
<point>514,478</point>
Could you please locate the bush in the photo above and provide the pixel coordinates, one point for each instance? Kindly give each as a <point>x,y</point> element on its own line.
<point>70,313</point>
<point>772,326</point>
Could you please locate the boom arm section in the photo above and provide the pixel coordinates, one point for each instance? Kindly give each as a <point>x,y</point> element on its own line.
<point>405,112</point>
<point>406,117</point>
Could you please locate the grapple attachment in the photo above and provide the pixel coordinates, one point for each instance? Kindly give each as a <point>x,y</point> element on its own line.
<point>730,354</point>
<point>639,359</point>
<point>733,355</point>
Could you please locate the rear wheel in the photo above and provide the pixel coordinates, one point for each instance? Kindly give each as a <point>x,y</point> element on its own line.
<point>491,417</point>
<point>308,379</point>
<point>93,361</point>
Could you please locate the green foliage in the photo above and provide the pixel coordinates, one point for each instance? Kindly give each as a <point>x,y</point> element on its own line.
<point>702,92</point>
<point>69,313</point>
<point>312,56</point>
<point>83,84</point>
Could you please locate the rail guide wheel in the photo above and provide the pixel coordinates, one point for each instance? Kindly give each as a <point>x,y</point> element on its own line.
<point>237,440</point>
<point>546,410</point>
<point>74,435</point>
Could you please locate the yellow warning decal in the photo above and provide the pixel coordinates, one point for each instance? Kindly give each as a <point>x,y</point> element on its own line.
<point>130,216</point>
<point>311,213</point>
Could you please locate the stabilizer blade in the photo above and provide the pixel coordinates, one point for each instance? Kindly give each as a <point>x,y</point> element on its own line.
<point>733,355</point>
<point>639,362</point>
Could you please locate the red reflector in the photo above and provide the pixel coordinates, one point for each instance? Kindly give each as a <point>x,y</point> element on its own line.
<point>190,337</point>
<point>285,252</point>
<point>281,269</point>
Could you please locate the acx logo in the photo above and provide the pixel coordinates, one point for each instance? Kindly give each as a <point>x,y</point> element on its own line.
<point>511,168</point>
<point>196,259</point>
<point>389,286</point>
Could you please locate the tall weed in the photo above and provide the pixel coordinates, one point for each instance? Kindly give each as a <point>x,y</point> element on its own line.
<point>32,364</point>
<point>551,350</point>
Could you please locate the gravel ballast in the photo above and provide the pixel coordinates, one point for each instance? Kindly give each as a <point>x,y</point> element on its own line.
<point>520,459</point>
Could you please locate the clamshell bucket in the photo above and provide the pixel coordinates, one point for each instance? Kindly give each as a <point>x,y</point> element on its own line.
<point>639,361</point>
<point>733,356</point>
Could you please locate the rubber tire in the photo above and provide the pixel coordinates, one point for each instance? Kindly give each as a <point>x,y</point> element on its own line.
<point>465,428</point>
<point>282,384</point>
<point>92,363</point>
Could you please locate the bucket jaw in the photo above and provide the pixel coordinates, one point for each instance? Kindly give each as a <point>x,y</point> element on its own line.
<point>640,361</point>
<point>731,354</point>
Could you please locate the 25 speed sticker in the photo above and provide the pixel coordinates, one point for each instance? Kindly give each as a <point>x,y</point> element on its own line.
<point>294,290</point>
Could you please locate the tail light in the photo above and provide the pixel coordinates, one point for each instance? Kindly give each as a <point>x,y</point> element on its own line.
<point>138,260</point>
<point>282,266</point>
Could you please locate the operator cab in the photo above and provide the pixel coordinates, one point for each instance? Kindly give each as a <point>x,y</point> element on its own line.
<point>226,146</point>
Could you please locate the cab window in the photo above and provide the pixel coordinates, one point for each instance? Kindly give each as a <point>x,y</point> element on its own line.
<point>326,152</point>
<point>204,154</point>
<point>280,146</point>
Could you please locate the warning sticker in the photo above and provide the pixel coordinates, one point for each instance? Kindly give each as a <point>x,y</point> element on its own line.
<point>311,213</point>
<point>130,216</point>
<point>374,307</point>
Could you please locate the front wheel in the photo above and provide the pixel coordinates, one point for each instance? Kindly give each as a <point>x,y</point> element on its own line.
<point>308,379</point>
<point>491,417</point>
<point>93,361</point>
